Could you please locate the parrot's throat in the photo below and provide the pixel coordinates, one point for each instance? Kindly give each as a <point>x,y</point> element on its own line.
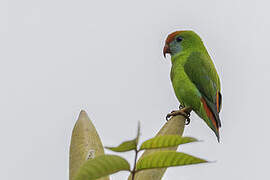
<point>175,48</point>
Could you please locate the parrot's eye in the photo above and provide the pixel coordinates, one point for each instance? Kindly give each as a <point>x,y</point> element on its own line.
<point>179,39</point>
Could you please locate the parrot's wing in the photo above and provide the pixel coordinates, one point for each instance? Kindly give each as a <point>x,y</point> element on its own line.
<point>201,71</point>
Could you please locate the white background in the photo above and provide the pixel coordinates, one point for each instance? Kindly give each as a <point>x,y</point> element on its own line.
<point>60,56</point>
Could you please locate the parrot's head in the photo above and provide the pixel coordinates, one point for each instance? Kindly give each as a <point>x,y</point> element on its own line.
<point>180,41</point>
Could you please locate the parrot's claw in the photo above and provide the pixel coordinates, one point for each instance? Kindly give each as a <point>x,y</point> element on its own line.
<point>188,120</point>
<point>181,106</point>
<point>184,112</point>
<point>170,115</point>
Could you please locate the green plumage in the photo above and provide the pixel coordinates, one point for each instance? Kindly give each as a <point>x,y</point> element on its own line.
<point>194,77</point>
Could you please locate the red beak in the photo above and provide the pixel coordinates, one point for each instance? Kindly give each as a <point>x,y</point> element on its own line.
<point>166,50</point>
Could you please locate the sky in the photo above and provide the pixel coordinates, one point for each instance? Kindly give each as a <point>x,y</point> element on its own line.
<point>58,57</point>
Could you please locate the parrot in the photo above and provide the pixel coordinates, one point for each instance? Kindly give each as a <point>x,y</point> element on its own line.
<point>194,78</point>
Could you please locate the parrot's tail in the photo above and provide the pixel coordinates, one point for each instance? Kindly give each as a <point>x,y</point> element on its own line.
<point>212,114</point>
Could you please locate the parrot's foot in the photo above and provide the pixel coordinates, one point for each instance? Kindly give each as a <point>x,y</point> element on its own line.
<point>184,111</point>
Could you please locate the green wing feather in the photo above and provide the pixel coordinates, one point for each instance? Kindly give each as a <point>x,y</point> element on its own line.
<point>201,71</point>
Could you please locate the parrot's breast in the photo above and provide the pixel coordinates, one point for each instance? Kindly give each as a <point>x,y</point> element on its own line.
<point>185,91</point>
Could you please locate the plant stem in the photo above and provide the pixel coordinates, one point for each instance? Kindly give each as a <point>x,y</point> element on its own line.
<point>174,126</point>
<point>135,162</point>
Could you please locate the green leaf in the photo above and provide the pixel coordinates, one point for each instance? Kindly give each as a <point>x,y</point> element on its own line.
<point>166,141</point>
<point>125,146</point>
<point>164,159</point>
<point>100,166</point>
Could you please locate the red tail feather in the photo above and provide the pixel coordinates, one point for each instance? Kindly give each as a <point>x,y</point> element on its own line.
<point>209,114</point>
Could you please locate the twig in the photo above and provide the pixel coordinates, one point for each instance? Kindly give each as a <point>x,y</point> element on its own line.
<point>176,126</point>
<point>135,163</point>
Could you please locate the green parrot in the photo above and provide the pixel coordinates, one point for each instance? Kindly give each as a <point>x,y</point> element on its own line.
<point>194,78</point>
